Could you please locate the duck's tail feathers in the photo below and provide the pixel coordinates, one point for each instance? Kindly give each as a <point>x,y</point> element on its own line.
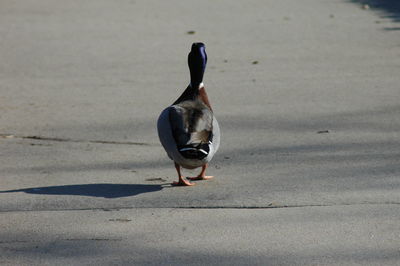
<point>195,151</point>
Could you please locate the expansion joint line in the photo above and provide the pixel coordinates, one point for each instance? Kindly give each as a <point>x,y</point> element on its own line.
<point>54,139</point>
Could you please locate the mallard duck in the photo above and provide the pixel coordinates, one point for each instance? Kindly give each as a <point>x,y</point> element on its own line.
<point>187,129</point>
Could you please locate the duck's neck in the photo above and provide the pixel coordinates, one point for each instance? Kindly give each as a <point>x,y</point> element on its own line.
<point>196,85</point>
<point>204,97</point>
<point>196,77</point>
<point>190,94</point>
<point>193,93</point>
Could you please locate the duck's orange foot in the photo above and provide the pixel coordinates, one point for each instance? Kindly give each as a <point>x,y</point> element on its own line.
<point>182,182</point>
<point>206,177</point>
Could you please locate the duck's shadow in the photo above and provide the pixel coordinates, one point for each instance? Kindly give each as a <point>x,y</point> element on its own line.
<point>102,190</point>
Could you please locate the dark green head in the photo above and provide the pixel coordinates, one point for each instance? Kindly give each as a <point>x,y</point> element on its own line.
<point>197,60</point>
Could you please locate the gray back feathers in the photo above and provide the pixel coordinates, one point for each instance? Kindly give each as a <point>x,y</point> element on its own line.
<point>191,122</point>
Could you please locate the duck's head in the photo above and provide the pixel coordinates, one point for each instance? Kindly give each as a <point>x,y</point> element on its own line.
<point>197,60</point>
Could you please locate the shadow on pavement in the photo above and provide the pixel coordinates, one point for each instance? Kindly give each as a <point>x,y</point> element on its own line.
<point>103,190</point>
<point>390,7</point>
<point>392,28</point>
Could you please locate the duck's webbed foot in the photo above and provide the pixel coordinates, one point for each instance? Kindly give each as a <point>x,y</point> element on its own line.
<point>202,175</point>
<point>182,181</point>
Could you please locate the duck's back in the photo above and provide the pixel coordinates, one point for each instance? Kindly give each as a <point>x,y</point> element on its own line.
<point>192,125</point>
<point>189,132</point>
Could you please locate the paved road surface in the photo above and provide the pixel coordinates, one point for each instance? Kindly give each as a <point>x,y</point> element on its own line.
<point>307,95</point>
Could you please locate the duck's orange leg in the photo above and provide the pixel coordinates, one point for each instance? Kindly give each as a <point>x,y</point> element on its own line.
<point>202,175</point>
<point>182,181</point>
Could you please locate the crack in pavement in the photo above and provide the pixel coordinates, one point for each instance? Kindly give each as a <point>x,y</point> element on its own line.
<point>43,138</point>
<point>92,239</point>
<point>209,207</point>
<point>63,239</point>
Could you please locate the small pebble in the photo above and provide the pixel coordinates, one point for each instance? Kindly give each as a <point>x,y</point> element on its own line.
<point>7,136</point>
<point>366,7</point>
<point>120,220</point>
<point>255,62</point>
<point>323,131</point>
<point>191,32</point>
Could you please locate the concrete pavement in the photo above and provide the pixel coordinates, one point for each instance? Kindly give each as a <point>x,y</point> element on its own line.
<point>307,95</point>
<point>341,235</point>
